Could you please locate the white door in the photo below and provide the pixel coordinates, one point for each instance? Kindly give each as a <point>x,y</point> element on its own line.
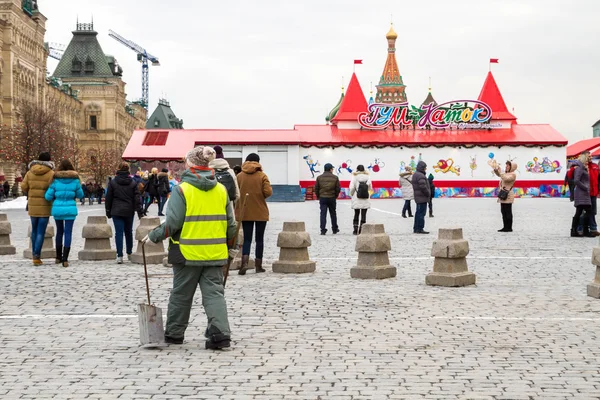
<point>275,165</point>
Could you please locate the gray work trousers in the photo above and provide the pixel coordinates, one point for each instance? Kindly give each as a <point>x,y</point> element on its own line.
<point>185,281</point>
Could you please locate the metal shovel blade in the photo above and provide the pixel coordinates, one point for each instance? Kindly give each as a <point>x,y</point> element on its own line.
<point>152,333</point>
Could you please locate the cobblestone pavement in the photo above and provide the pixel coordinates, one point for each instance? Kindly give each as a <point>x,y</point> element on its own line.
<point>527,330</point>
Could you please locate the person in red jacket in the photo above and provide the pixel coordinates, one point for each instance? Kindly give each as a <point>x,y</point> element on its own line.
<point>594,172</point>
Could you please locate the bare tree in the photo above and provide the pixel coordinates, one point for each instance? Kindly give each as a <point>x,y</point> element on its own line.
<point>101,162</point>
<point>37,130</point>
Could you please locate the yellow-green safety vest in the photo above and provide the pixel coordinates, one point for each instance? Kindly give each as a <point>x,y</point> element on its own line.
<point>204,233</point>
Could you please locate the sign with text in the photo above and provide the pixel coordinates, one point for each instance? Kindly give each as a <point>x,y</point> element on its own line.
<point>460,114</point>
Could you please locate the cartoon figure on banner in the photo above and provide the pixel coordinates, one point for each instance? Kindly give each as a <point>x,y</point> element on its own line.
<point>312,164</point>
<point>376,165</point>
<point>473,164</point>
<point>346,165</point>
<point>402,167</point>
<point>545,167</point>
<point>445,166</point>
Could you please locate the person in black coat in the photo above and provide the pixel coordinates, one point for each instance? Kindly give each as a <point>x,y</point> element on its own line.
<point>122,203</point>
<point>164,188</point>
<point>6,187</point>
<point>432,190</point>
<point>152,189</point>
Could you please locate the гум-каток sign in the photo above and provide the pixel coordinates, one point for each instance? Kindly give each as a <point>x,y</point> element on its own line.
<point>458,113</point>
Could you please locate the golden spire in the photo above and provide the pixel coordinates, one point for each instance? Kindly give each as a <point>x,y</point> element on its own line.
<point>392,33</point>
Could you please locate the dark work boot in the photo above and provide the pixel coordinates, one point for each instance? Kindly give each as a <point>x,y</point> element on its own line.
<point>65,257</point>
<point>218,341</point>
<point>355,232</point>
<point>574,224</point>
<point>258,265</point>
<point>170,340</point>
<point>59,251</point>
<point>244,265</point>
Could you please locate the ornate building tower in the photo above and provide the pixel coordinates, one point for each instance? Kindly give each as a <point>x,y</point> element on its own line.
<point>391,88</point>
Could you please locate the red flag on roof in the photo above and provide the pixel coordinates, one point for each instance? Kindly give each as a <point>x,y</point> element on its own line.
<point>494,60</point>
<point>357,62</point>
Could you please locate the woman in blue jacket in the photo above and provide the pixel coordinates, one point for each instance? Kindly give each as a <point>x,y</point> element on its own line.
<point>63,192</point>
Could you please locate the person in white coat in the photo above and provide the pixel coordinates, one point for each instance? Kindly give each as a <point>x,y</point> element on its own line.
<point>360,189</point>
<point>408,193</point>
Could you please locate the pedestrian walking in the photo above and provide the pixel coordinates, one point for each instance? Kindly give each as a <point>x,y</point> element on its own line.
<point>360,190</point>
<point>36,182</point>
<point>99,193</point>
<point>200,224</point>
<point>164,188</point>
<point>225,175</point>
<point>63,193</point>
<point>583,201</point>
<point>408,194</point>
<point>593,170</point>
<point>506,195</point>
<point>254,183</point>
<point>569,181</point>
<point>6,187</point>
<point>432,194</point>
<point>85,192</point>
<point>122,203</point>
<point>422,192</point>
<point>237,169</point>
<point>327,189</point>
<point>152,189</point>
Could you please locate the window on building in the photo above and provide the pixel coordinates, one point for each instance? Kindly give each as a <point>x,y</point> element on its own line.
<point>93,122</point>
<point>156,122</point>
<point>155,139</point>
<point>76,65</point>
<point>89,66</point>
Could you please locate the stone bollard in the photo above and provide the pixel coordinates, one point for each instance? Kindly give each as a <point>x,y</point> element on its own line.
<point>593,289</point>
<point>97,233</point>
<point>373,262</point>
<point>48,250</point>
<point>450,264</point>
<point>293,243</point>
<point>155,252</point>
<point>5,231</point>
<point>237,261</point>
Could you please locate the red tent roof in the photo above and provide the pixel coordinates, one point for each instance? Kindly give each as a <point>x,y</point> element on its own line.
<point>178,141</point>
<point>583,145</point>
<point>490,94</point>
<point>353,104</point>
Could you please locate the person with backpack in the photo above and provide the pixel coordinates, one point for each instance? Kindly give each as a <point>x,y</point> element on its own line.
<point>225,175</point>
<point>327,189</point>
<point>63,194</point>
<point>255,188</point>
<point>360,188</point>
<point>164,188</point>
<point>422,191</point>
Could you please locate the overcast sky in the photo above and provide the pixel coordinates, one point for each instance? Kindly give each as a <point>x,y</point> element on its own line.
<point>276,63</point>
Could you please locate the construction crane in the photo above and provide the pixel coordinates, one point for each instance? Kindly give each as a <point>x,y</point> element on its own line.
<point>56,50</point>
<point>143,56</point>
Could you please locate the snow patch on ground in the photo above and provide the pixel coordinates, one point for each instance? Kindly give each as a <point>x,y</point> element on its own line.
<point>17,204</point>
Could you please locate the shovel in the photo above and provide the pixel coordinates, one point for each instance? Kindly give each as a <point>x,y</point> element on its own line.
<point>152,333</point>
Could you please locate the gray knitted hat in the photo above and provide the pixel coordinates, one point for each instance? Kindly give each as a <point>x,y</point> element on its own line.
<point>200,156</point>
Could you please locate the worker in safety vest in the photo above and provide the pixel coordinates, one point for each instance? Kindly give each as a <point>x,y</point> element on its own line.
<point>200,223</point>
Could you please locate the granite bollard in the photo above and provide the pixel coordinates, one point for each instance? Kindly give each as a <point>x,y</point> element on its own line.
<point>593,289</point>
<point>155,252</point>
<point>5,231</point>
<point>372,246</point>
<point>450,264</point>
<point>293,243</point>
<point>48,250</point>
<point>97,233</point>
